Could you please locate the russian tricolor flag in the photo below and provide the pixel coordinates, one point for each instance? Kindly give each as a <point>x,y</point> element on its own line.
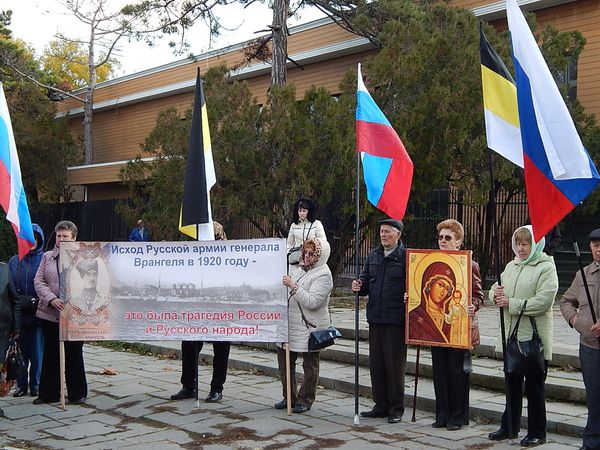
<point>559,173</point>
<point>387,168</point>
<point>12,194</point>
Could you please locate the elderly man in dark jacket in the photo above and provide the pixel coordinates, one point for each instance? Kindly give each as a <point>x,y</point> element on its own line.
<point>383,279</point>
<point>10,312</point>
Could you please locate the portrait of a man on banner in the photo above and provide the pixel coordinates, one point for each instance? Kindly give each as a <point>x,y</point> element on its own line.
<point>439,291</point>
<point>87,291</point>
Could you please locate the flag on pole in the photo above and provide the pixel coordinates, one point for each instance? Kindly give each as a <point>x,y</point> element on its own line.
<point>196,218</point>
<point>12,193</point>
<point>387,168</point>
<point>559,173</point>
<point>499,104</point>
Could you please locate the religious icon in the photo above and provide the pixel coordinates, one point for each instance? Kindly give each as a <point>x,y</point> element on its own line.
<point>439,291</point>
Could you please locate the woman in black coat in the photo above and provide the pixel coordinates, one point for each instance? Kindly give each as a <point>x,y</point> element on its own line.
<point>10,312</point>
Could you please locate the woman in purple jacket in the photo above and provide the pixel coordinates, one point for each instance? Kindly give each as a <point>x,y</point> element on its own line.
<point>47,286</point>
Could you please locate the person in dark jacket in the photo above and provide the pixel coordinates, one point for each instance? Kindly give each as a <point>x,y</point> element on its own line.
<point>31,338</point>
<point>10,312</point>
<point>140,233</point>
<point>383,279</point>
<point>190,351</point>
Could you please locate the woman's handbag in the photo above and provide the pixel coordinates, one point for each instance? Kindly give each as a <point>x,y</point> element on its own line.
<point>15,363</point>
<point>525,358</point>
<point>319,339</point>
<point>294,253</point>
<point>5,384</point>
<point>28,304</point>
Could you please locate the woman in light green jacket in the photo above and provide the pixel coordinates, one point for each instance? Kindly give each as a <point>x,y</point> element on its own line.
<point>529,284</point>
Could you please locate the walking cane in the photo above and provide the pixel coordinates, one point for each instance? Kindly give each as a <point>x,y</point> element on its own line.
<point>414,419</point>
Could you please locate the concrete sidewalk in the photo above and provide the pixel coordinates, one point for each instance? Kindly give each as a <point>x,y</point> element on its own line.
<point>131,410</point>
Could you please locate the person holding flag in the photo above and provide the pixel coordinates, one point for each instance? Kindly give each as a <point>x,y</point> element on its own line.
<point>196,222</point>
<point>387,171</point>
<point>383,279</point>
<point>579,308</point>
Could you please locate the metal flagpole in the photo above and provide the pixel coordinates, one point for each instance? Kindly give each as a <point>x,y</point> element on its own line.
<point>356,297</point>
<point>196,351</point>
<point>498,279</point>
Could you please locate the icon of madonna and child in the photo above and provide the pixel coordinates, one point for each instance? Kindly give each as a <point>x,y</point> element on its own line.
<point>439,290</point>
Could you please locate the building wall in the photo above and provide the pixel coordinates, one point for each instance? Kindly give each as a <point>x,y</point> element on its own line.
<point>127,108</point>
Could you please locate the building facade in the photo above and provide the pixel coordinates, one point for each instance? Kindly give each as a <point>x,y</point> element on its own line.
<point>125,109</point>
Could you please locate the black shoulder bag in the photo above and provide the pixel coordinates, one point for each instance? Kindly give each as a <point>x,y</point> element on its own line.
<point>294,253</point>
<point>526,358</point>
<point>319,339</point>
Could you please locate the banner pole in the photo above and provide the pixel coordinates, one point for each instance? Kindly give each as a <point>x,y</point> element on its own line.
<point>288,379</point>
<point>496,241</point>
<point>197,361</point>
<point>61,357</point>
<point>356,296</point>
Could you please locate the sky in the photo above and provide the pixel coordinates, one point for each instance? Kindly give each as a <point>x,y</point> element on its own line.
<point>37,21</point>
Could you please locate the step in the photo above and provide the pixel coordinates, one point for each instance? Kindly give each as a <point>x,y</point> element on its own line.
<point>488,373</point>
<point>568,418</point>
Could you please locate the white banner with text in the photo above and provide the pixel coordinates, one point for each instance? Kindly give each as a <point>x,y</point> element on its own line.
<point>143,291</point>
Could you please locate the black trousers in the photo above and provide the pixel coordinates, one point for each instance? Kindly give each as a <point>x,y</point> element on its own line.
<point>387,361</point>
<point>590,369</point>
<point>49,389</point>
<point>535,390</point>
<point>310,365</point>
<point>220,363</point>
<point>451,385</point>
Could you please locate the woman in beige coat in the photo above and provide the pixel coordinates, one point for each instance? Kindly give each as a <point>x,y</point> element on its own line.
<point>310,284</point>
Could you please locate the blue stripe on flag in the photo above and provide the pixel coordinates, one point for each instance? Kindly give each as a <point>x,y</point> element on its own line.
<point>4,145</point>
<point>375,171</point>
<point>368,111</point>
<point>576,190</point>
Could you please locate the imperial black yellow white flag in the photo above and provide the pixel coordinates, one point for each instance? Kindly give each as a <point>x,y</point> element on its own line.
<point>500,104</point>
<point>196,218</point>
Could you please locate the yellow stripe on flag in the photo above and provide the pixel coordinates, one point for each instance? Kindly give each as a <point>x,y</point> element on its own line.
<point>500,96</point>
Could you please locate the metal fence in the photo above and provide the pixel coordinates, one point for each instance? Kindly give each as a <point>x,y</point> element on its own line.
<point>99,221</point>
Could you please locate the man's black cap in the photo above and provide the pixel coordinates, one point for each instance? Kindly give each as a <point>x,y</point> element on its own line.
<point>595,235</point>
<point>397,224</point>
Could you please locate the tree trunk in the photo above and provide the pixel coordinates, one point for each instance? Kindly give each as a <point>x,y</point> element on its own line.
<point>280,33</point>
<point>89,104</point>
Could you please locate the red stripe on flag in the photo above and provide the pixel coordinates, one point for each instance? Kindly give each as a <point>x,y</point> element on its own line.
<point>395,194</point>
<point>378,140</point>
<point>547,204</point>
<point>5,187</point>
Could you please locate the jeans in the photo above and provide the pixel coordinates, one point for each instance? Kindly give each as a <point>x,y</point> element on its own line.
<point>31,341</point>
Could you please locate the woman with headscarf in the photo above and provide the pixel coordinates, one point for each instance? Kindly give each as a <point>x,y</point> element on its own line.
<point>304,226</point>
<point>529,285</point>
<point>310,284</point>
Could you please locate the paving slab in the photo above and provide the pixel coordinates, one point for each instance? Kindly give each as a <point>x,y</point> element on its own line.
<point>118,416</point>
